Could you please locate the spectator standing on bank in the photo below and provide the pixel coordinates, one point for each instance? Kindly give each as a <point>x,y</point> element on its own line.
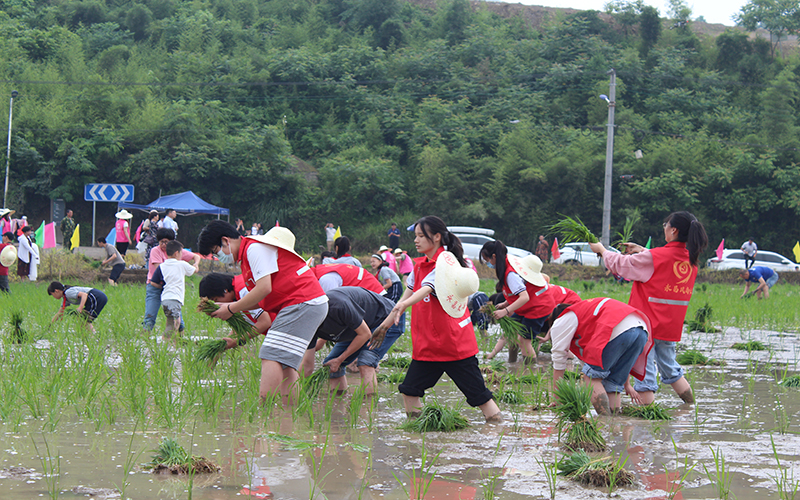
<point>114,259</point>
<point>394,236</point>
<point>27,255</point>
<point>750,249</point>
<point>123,228</point>
<point>543,249</point>
<point>67,228</point>
<point>169,221</point>
<point>148,234</point>
<point>240,227</point>
<point>330,235</point>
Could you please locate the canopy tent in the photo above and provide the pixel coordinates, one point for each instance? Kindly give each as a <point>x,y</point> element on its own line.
<point>186,203</point>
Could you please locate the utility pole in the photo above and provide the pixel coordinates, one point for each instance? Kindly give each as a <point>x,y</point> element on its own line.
<point>14,94</point>
<point>611,99</point>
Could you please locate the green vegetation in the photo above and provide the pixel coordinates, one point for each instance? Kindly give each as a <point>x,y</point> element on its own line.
<point>602,471</point>
<point>510,328</point>
<point>436,417</point>
<point>171,457</point>
<point>753,345</point>
<point>573,229</point>
<point>792,381</point>
<point>695,357</point>
<point>573,402</point>
<point>653,411</point>
<point>18,334</point>
<point>702,320</point>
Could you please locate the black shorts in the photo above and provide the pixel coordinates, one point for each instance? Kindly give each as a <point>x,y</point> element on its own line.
<point>465,373</point>
<point>116,271</point>
<point>95,302</point>
<point>533,327</point>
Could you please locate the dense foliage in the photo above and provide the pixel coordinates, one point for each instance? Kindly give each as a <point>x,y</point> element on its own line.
<point>363,111</point>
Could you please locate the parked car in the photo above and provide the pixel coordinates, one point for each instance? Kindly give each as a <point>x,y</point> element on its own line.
<point>579,253</point>
<point>473,239</point>
<point>734,259</point>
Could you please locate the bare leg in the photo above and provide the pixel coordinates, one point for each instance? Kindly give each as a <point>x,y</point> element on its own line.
<point>338,384</point>
<point>413,405</point>
<point>614,401</point>
<point>647,397</point>
<point>501,342</point>
<point>274,377</point>
<point>491,411</point>
<point>369,379</point>
<point>307,365</point>
<point>600,399</point>
<point>683,390</point>
<point>526,346</point>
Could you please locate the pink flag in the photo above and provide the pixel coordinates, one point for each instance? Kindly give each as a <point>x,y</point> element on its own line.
<point>720,248</point>
<point>277,224</point>
<point>50,235</point>
<point>554,250</point>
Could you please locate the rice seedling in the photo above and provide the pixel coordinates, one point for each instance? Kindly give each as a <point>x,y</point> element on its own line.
<point>573,230</point>
<point>753,345</point>
<point>436,417</point>
<point>791,381</point>
<point>653,411</point>
<point>311,386</point>
<point>397,361</point>
<point>702,320</point>
<point>550,473</point>
<point>51,468</point>
<point>695,357</point>
<point>490,484</point>
<point>580,467</point>
<point>720,476</point>
<point>391,378</point>
<point>317,478</point>
<point>291,443</point>
<point>627,230</point>
<point>788,486</point>
<point>242,330</point>
<point>509,327</point>
<point>673,488</point>
<point>419,484</point>
<point>546,347</point>
<point>573,402</point>
<point>509,396</point>
<point>170,457</point>
<point>18,334</point>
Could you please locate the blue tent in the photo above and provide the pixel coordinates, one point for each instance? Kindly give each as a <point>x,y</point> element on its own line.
<point>186,203</point>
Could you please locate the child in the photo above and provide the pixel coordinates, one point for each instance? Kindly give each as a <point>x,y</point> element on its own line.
<point>525,290</point>
<point>387,278</point>
<point>172,273</point>
<point>226,288</point>
<point>332,276</point>
<point>113,258</point>
<point>90,301</point>
<point>442,336</point>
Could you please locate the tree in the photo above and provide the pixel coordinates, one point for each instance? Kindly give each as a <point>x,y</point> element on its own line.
<point>650,24</point>
<point>779,17</point>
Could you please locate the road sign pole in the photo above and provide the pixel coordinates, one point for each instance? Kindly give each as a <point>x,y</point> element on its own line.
<point>94,215</point>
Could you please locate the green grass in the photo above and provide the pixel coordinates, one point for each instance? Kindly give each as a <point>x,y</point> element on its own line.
<point>753,345</point>
<point>791,381</point>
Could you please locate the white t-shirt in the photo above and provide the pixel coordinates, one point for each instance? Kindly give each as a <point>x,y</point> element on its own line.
<point>564,328</point>
<point>169,223</point>
<point>263,260</point>
<point>330,232</point>
<point>515,283</point>
<point>429,280</point>
<point>331,280</point>
<point>749,248</point>
<point>174,272</point>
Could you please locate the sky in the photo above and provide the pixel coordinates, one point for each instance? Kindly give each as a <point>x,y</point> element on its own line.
<point>714,11</point>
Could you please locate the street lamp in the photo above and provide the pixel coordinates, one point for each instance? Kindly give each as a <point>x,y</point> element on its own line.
<point>14,94</point>
<point>611,100</point>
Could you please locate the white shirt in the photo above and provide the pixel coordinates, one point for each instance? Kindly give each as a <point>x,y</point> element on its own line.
<point>563,330</point>
<point>330,232</point>
<point>169,223</point>
<point>263,260</point>
<point>174,272</point>
<point>749,248</point>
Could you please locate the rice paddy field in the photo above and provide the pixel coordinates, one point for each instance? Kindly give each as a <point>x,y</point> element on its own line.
<point>81,414</point>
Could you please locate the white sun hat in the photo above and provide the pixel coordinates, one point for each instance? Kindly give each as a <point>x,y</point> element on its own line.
<point>529,268</point>
<point>454,284</point>
<point>8,256</point>
<point>124,214</point>
<point>279,237</point>
<point>6,211</point>
<point>383,248</point>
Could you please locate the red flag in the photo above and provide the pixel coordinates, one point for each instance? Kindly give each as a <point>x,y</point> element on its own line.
<point>276,223</point>
<point>554,250</point>
<point>720,248</point>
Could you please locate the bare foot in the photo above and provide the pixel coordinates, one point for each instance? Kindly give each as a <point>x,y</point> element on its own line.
<point>687,396</point>
<point>495,419</point>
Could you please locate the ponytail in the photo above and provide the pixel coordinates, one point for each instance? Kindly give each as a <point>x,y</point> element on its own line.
<point>342,245</point>
<point>691,232</point>
<point>499,250</point>
<point>430,225</point>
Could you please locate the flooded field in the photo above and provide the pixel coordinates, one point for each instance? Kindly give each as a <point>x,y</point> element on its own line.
<point>80,413</point>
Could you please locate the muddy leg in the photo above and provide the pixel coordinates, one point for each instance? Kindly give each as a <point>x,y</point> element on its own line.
<point>491,411</point>
<point>513,352</point>
<point>599,397</point>
<point>413,405</point>
<point>369,379</point>
<point>683,390</point>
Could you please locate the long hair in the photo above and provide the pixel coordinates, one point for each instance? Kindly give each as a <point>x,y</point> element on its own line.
<point>342,246</point>
<point>691,232</point>
<point>548,323</point>
<point>430,225</point>
<point>499,250</point>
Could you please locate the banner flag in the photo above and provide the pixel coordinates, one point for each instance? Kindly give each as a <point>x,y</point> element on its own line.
<point>554,250</point>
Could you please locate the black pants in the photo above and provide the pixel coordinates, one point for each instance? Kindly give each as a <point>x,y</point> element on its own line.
<point>751,259</point>
<point>466,374</point>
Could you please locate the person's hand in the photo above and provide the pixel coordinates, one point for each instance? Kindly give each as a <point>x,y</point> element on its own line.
<point>377,337</point>
<point>632,248</point>
<point>223,312</point>
<point>630,391</point>
<point>545,338</point>
<point>196,268</point>
<point>333,364</point>
<point>501,313</point>
<point>230,343</point>
<point>597,248</point>
<point>397,311</point>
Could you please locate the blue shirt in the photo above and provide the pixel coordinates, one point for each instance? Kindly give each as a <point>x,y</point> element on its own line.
<point>758,272</point>
<point>394,232</point>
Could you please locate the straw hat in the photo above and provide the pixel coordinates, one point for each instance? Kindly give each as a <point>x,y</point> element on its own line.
<point>529,267</point>
<point>6,211</point>
<point>8,256</point>
<point>124,214</point>
<point>454,284</point>
<point>398,250</point>
<point>278,236</point>
<point>383,248</point>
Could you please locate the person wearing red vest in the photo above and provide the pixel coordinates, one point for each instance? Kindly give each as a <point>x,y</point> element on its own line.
<point>442,337</point>
<point>227,288</point>
<point>526,292</point>
<point>612,340</point>
<point>663,283</point>
<point>332,276</point>
<point>278,281</point>
<point>562,294</point>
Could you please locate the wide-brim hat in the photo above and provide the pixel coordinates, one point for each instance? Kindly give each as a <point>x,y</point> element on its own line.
<point>8,256</point>
<point>123,214</point>
<point>6,211</point>
<point>454,284</point>
<point>398,250</point>
<point>383,248</point>
<point>278,236</point>
<point>529,268</point>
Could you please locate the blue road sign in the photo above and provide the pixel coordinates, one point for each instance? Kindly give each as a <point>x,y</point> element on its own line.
<point>108,192</point>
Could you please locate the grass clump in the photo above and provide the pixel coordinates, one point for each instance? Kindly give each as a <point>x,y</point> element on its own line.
<point>436,417</point>
<point>313,384</point>
<point>753,345</point>
<point>170,457</point>
<point>392,378</point>
<point>242,330</point>
<point>695,357</point>
<point>573,230</point>
<point>546,347</point>
<point>702,320</point>
<point>510,328</point>
<point>509,396</point>
<point>18,334</point>
<point>573,402</point>
<point>653,411</point>
<point>627,230</point>
<point>579,466</point>
<point>792,381</point>
<point>397,362</point>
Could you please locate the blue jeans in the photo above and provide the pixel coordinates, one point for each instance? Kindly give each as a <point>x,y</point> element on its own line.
<point>365,356</point>
<point>619,355</point>
<point>478,318</point>
<point>772,280</point>
<point>152,304</point>
<point>661,357</point>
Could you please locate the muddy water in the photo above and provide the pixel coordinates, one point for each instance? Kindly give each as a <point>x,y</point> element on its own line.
<point>740,407</point>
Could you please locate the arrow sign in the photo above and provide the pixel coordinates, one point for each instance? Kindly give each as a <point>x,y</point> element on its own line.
<point>108,192</point>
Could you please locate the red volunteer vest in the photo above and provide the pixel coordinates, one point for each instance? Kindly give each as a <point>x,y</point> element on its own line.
<point>540,301</point>
<point>240,290</point>
<point>351,276</point>
<point>3,269</point>
<point>596,318</point>
<point>562,295</point>
<point>292,284</point>
<point>435,335</point>
<point>664,298</point>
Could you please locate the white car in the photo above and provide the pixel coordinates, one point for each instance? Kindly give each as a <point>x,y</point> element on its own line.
<point>579,253</point>
<point>473,239</point>
<point>734,259</point>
